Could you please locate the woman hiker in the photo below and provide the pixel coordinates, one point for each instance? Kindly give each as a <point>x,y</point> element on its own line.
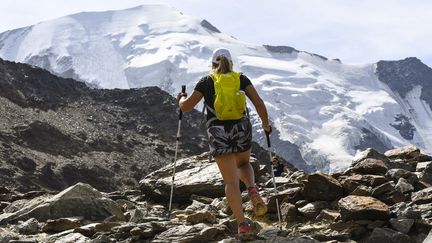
<point>230,140</point>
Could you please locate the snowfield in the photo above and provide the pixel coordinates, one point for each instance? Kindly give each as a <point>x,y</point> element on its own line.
<point>323,111</point>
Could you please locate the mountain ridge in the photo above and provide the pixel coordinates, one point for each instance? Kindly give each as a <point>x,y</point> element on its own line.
<point>317,106</point>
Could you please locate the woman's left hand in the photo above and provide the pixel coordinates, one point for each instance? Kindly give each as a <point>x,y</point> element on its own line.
<point>179,95</point>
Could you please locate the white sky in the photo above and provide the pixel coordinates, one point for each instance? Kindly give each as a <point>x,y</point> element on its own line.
<point>355,31</point>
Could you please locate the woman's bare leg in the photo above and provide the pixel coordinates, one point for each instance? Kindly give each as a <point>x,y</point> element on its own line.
<point>246,172</point>
<point>228,168</point>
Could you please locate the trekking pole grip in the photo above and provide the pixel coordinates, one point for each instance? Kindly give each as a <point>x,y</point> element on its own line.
<point>183,90</point>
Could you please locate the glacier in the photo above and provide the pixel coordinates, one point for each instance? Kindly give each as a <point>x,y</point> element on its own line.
<point>323,111</point>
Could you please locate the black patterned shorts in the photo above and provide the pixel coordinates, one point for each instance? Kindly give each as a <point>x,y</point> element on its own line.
<point>230,138</point>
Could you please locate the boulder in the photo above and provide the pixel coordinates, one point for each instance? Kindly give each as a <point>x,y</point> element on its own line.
<point>402,225</point>
<point>322,187</point>
<point>387,235</point>
<point>369,153</point>
<point>362,190</point>
<point>423,196</point>
<point>69,238</point>
<point>395,174</point>
<point>405,153</point>
<point>313,209</point>
<point>329,214</point>
<point>289,212</point>
<point>79,200</point>
<point>370,166</point>
<point>188,233</point>
<point>421,166</point>
<point>427,173</point>
<point>29,227</point>
<point>428,238</point>
<point>60,225</point>
<point>193,176</point>
<point>404,211</point>
<point>404,186</point>
<point>290,195</point>
<point>201,217</point>
<point>386,187</point>
<point>360,207</point>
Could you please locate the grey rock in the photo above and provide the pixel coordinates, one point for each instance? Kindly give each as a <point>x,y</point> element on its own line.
<point>421,166</point>
<point>29,227</point>
<point>59,225</point>
<point>80,200</point>
<point>193,176</point>
<point>404,186</point>
<point>428,238</point>
<point>402,225</point>
<point>427,173</point>
<point>290,195</point>
<point>185,233</point>
<point>369,153</point>
<point>7,235</point>
<point>70,238</point>
<point>313,209</point>
<point>289,212</point>
<point>404,211</point>
<point>362,190</point>
<point>329,214</point>
<point>386,187</point>
<point>423,196</point>
<point>387,235</point>
<point>278,181</point>
<point>405,153</point>
<point>138,215</point>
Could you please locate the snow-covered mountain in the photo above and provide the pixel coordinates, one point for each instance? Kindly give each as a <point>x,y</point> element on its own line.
<point>323,110</point>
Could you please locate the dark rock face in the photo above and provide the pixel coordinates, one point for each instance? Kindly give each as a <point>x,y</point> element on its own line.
<point>209,26</point>
<point>55,132</point>
<point>280,49</point>
<point>405,128</point>
<point>402,76</point>
<point>368,139</point>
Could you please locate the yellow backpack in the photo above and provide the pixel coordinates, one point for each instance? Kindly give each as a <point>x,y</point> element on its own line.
<point>230,100</point>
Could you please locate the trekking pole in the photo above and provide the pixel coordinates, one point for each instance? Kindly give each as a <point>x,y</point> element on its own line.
<point>183,90</point>
<point>274,181</point>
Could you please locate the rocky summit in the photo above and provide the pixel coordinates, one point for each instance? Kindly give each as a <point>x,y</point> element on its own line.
<point>358,205</point>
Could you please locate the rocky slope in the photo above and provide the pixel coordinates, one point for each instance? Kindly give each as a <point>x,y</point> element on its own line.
<point>56,132</point>
<point>380,198</point>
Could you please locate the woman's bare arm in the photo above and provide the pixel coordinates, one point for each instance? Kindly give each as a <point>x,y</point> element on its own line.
<point>258,103</point>
<point>188,103</point>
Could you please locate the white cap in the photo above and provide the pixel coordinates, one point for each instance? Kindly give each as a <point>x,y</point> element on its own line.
<point>221,52</point>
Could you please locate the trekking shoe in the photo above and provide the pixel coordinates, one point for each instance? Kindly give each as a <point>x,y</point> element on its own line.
<point>258,205</point>
<point>245,232</point>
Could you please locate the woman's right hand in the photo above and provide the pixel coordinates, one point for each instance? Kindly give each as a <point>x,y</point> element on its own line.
<point>267,128</point>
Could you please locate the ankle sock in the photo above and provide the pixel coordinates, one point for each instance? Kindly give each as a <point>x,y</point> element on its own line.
<point>252,190</point>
